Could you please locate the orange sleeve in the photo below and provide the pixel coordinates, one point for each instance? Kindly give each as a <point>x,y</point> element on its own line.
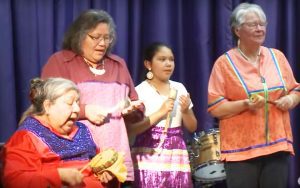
<point>23,166</point>
<point>216,85</point>
<point>287,73</point>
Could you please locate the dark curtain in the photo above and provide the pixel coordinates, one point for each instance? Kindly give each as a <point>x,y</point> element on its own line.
<point>197,30</point>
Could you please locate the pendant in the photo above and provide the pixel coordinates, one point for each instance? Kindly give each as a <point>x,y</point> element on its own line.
<point>97,71</point>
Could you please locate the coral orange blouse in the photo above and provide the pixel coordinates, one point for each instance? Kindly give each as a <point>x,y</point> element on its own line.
<point>252,133</point>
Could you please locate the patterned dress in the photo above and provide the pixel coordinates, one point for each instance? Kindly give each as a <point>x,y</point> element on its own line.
<point>168,165</point>
<point>35,151</point>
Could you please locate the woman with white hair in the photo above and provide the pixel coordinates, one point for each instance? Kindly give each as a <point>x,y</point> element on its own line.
<point>51,146</point>
<point>251,90</point>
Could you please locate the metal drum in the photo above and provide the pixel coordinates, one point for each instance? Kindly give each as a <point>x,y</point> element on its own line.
<point>205,157</point>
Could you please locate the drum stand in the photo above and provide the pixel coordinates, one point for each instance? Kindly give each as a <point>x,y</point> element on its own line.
<point>199,184</point>
<point>211,184</point>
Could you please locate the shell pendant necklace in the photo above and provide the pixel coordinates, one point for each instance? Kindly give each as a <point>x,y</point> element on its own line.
<point>94,70</point>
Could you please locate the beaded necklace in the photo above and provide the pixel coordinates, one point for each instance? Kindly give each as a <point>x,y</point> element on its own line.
<point>96,71</point>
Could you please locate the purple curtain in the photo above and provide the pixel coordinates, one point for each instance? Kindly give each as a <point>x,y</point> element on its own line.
<point>197,30</point>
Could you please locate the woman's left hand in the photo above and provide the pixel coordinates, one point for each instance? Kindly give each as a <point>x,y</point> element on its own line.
<point>284,103</point>
<point>133,105</point>
<point>184,102</point>
<point>105,177</point>
<point>134,112</point>
<point>95,114</point>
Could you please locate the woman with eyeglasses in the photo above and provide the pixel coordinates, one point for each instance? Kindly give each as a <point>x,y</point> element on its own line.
<point>251,90</point>
<point>103,79</point>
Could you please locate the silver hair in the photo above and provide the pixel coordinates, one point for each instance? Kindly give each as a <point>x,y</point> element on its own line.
<point>237,17</point>
<point>49,89</point>
<point>56,87</point>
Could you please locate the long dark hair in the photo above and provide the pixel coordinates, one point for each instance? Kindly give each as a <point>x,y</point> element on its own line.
<point>83,24</point>
<point>152,49</point>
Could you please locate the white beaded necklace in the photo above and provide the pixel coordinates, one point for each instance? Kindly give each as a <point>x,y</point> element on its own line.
<point>96,71</point>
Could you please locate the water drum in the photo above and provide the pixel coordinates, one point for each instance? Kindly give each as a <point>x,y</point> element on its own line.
<point>206,163</point>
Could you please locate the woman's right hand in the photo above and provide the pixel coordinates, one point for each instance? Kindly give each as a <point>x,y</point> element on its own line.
<point>105,177</point>
<point>166,107</point>
<point>70,176</point>
<point>95,114</point>
<point>256,102</point>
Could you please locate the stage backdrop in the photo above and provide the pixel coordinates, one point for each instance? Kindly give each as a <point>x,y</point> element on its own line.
<point>197,30</point>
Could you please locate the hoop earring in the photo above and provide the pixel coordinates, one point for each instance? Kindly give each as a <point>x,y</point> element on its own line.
<point>149,75</point>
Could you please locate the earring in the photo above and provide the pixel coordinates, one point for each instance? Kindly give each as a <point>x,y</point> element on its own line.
<point>149,75</point>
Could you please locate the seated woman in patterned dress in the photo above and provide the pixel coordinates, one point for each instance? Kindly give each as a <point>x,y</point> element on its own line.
<point>50,146</point>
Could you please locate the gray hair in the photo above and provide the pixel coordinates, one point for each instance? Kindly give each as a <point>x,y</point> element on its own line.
<point>49,89</point>
<point>87,21</point>
<point>237,17</point>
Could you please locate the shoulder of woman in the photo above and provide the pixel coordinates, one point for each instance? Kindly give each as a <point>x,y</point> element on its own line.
<point>223,58</point>
<point>141,85</point>
<point>116,58</point>
<point>64,55</point>
<point>174,83</point>
<point>276,52</point>
<point>20,137</point>
<point>279,55</point>
<point>177,85</point>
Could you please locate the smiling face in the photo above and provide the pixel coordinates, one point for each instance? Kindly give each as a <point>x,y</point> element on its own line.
<point>162,64</point>
<point>95,44</point>
<point>252,31</point>
<point>63,112</point>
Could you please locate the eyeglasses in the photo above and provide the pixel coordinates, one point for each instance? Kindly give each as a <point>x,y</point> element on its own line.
<point>97,40</point>
<point>255,24</point>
